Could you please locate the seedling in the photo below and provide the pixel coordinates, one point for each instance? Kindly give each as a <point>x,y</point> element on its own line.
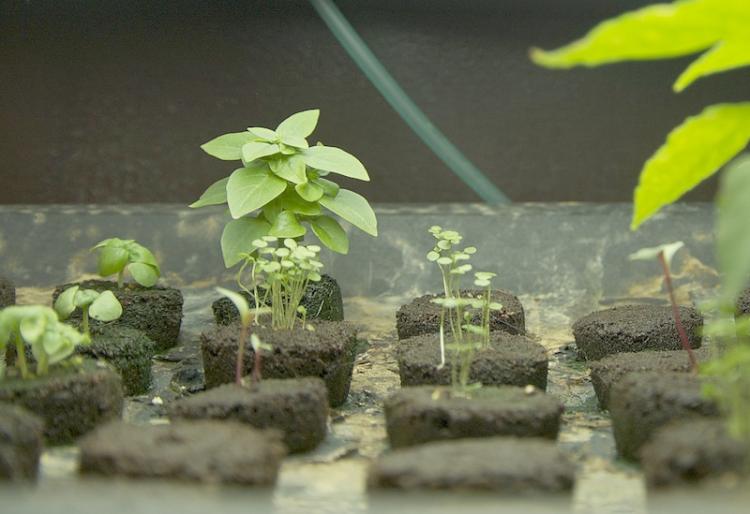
<point>664,253</point>
<point>280,190</point>
<point>279,275</point>
<point>51,341</point>
<point>102,306</point>
<point>467,337</point>
<point>246,316</point>
<point>118,255</point>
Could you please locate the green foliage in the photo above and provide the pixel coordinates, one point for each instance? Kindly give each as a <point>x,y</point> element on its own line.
<point>733,231</point>
<point>460,311</point>
<point>117,255</point>
<point>102,306</point>
<point>702,144</point>
<point>280,190</point>
<point>50,340</point>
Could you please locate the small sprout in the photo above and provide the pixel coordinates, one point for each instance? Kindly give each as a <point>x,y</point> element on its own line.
<point>102,306</point>
<point>433,256</point>
<point>245,319</point>
<point>117,255</point>
<point>647,254</point>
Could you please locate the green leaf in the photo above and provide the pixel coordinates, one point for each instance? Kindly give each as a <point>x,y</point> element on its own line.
<point>727,55</point>
<point>295,141</point>
<point>216,194</point>
<point>330,233</point>
<point>238,236</point>
<point>300,124</point>
<point>112,260</point>
<point>354,209</point>
<point>272,209</point>
<point>251,188</point>
<point>145,274</point>
<point>653,32</point>
<point>240,302</point>
<point>229,146</point>
<point>32,328</point>
<point>139,253</point>
<point>287,225</point>
<point>291,168</point>
<point>264,133</point>
<point>66,303</point>
<point>106,307</point>
<point>86,297</point>
<point>732,230</point>
<point>693,152</point>
<point>330,188</point>
<point>291,201</point>
<point>309,191</point>
<point>335,160</point>
<point>256,149</point>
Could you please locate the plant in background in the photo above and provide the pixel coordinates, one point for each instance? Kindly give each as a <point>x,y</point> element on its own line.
<point>664,254</point>
<point>281,188</point>
<point>118,255</point>
<point>278,278</point>
<point>461,309</point>
<point>246,318</point>
<point>50,340</point>
<point>102,306</point>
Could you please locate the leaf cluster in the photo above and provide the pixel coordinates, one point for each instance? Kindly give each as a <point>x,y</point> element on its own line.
<point>102,306</point>
<point>118,255</point>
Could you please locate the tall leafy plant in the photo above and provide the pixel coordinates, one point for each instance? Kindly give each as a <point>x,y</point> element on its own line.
<point>281,188</point>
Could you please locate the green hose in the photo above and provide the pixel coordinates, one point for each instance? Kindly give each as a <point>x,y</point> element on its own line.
<point>404,106</point>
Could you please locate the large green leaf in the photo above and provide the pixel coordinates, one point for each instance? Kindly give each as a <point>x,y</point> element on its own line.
<point>238,236</point>
<point>112,260</point>
<point>251,188</point>
<point>335,160</point>
<point>145,274</point>
<point>291,168</point>
<point>733,229</point>
<point>330,233</point>
<point>229,146</point>
<point>727,55</point>
<point>353,208</point>
<point>693,152</point>
<point>106,307</point>
<point>216,194</point>
<point>300,124</point>
<point>287,225</point>
<point>257,149</point>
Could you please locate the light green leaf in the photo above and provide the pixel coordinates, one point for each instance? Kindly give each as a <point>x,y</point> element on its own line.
<point>257,149</point>
<point>139,253</point>
<point>238,236</point>
<point>251,188</point>
<point>272,209</point>
<point>727,55</point>
<point>229,146</point>
<point>112,260</point>
<point>287,225</point>
<point>32,328</point>
<point>330,233</point>
<point>106,307</point>
<point>264,133</point>
<point>291,201</point>
<point>291,168</point>
<point>66,303</point>
<point>86,297</point>
<point>693,152</point>
<point>309,191</point>
<point>653,32</point>
<point>732,230</point>
<point>354,209</point>
<point>240,302</point>
<point>295,141</point>
<point>216,194</point>
<point>330,188</point>
<point>335,160</point>
<point>300,124</point>
<point>145,274</point>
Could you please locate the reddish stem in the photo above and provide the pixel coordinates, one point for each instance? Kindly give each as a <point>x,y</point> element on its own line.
<point>676,313</point>
<point>240,356</point>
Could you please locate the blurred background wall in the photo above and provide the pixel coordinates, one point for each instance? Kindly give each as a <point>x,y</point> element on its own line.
<point>108,101</point>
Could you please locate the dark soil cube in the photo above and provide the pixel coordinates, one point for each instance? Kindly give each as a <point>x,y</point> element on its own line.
<point>634,328</point>
<point>298,408</point>
<point>21,443</point>
<point>128,350</point>
<point>328,352</point>
<point>7,293</point>
<point>156,311</point>
<point>196,451</point>
<point>509,360</point>
<point>321,299</point>
<point>642,402</point>
<point>743,302</point>
<point>693,450</point>
<point>421,316</point>
<point>71,400</point>
<point>502,464</point>
<point>416,415</point>
<point>610,369</point>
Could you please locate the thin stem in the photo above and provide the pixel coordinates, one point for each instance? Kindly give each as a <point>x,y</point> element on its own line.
<point>21,357</point>
<point>676,313</point>
<point>240,356</point>
<point>42,365</point>
<point>121,278</point>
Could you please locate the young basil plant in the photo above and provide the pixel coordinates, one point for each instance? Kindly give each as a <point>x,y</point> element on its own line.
<point>102,306</point>
<point>280,189</point>
<point>118,255</point>
<point>50,340</point>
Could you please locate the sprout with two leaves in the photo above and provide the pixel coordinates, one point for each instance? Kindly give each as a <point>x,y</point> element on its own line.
<point>50,340</point>
<point>461,311</point>
<point>102,306</point>
<point>118,255</point>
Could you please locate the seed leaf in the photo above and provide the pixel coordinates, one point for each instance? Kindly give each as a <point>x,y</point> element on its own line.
<point>216,194</point>
<point>330,233</point>
<point>229,146</point>
<point>106,307</point>
<point>335,160</point>
<point>251,188</point>
<point>354,209</point>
